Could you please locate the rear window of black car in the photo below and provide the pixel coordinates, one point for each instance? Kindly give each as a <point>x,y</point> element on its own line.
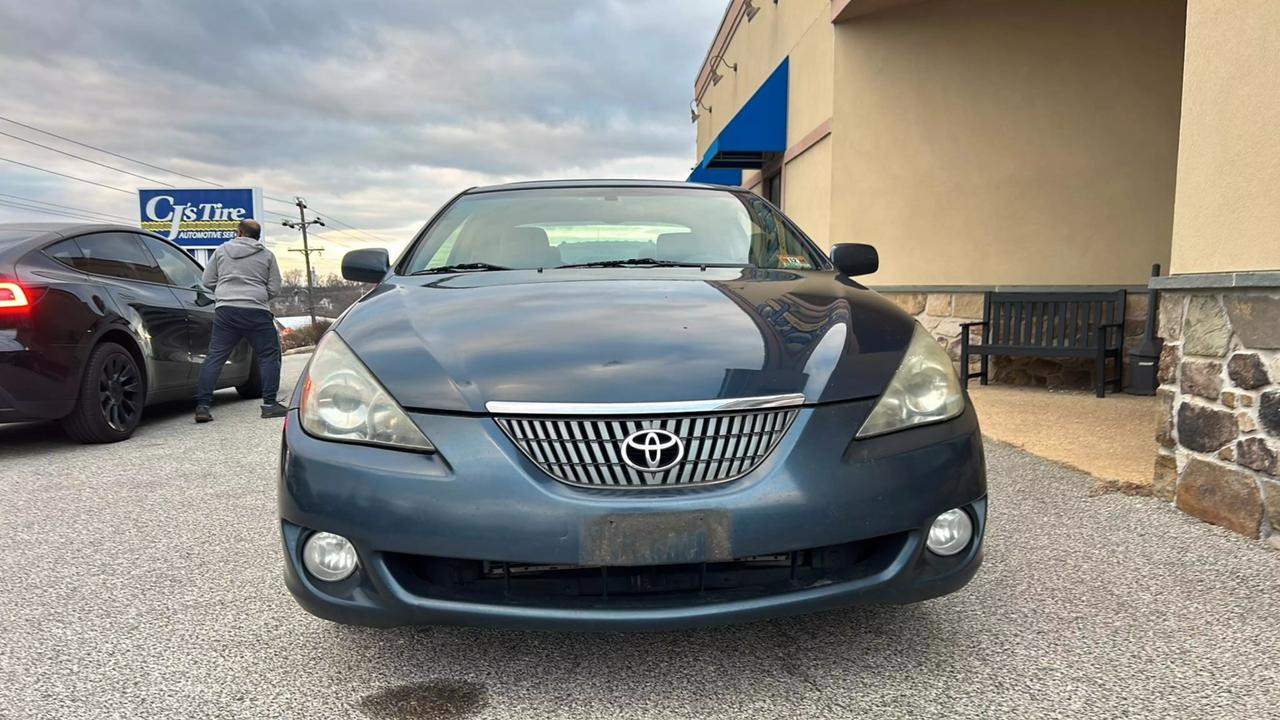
<point>115,254</point>
<point>550,227</point>
<point>65,251</point>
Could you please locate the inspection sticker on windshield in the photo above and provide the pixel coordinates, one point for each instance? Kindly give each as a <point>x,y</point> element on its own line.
<point>794,262</point>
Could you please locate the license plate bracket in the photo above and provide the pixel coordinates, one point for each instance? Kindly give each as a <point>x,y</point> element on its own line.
<point>669,538</point>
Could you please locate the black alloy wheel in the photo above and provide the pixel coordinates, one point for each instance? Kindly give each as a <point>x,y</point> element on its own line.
<point>112,395</point>
<point>119,392</point>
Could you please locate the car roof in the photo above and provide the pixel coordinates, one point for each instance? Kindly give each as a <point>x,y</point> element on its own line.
<point>34,226</point>
<point>585,183</point>
<point>31,235</point>
<point>66,228</point>
<point>51,230</point>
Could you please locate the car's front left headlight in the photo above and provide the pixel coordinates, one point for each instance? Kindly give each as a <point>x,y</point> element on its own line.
<point>341,400</point>
<point>925,389</point>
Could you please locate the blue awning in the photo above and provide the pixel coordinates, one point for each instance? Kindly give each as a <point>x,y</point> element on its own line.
<point>725,176</point>
<point>760,127</point>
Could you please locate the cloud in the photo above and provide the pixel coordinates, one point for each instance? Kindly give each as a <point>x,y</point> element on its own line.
<point>376,112</point>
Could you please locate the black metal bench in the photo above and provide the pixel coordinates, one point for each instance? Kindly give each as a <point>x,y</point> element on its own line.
<point>1084,324</point>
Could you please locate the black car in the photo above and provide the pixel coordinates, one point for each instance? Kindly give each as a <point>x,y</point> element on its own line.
<point>99,321</point>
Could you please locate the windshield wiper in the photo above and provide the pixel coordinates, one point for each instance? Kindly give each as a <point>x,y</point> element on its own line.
<point>461,267</point>
<point>633,261</point>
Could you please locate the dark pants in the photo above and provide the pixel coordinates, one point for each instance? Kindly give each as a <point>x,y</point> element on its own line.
<point>230,324</point>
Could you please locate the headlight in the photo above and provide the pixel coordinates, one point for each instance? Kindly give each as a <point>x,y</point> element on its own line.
<point>341,400</point>
<point>925,389</point>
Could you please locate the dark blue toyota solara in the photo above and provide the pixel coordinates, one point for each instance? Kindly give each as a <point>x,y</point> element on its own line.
<point>623,405</point>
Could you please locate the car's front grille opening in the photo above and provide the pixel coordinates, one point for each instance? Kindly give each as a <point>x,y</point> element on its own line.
<point>686,450</point>
<point>646,585</point>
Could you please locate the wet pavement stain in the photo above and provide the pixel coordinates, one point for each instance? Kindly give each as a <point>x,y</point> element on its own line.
<point>431,700</point>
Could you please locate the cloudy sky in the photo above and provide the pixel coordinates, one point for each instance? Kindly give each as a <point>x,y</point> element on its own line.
<point>376,112</point>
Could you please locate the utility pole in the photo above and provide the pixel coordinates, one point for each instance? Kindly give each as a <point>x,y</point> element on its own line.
<point>306,249</point>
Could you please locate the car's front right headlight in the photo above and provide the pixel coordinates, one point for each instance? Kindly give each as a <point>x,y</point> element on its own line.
<point>341,400</point>
<point>925,389</point>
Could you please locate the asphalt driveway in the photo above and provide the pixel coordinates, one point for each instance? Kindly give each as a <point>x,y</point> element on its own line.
<point>143,579</point>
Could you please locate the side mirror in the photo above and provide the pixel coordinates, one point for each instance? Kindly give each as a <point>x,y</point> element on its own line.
<point>366,266</point>
<point>855,259</point>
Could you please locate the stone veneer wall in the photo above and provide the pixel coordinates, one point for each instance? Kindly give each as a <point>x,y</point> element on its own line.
<point>943,312</point>
<point>1219,419</point>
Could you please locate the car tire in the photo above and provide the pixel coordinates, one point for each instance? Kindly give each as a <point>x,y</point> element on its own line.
<point>251,388</point>
<point>112,394</point>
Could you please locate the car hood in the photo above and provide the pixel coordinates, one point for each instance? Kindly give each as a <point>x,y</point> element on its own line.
<point>455,342</point>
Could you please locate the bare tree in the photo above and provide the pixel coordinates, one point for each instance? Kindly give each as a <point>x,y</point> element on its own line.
<point>334,280</point>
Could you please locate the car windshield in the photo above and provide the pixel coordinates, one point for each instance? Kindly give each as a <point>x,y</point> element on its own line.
<point>556,227</point>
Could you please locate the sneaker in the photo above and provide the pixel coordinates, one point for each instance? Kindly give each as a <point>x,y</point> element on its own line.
<point>274,410</point>
<point>202,415</point>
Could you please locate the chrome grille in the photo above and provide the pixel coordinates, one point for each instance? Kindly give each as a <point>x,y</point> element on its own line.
<point>587,451</point>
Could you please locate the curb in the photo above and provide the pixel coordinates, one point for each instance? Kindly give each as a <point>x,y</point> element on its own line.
<point>299,350</point>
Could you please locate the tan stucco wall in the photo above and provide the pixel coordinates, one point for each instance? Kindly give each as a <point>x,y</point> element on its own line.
<point>1008,141</point>
<point>844,10</point>
<point>811,96</point>
<point>1227,216</point>
<point>806,192</point>
<point>800,29</point>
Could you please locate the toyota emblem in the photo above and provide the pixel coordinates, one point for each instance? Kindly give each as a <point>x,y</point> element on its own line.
<point>652,450</point>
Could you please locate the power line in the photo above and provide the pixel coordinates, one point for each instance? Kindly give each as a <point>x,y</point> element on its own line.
<point>286,202</point>
<point>59,210</point>
<point>95,162</point>
<point>67,207</point>
<point>147,164</point>
<point>79,157</point>
<point>320,212</point>
<point>350,227</point>
<point>341,236</point>
<point>108,152</point>
<point>69,177</point>
<point>50,211</point>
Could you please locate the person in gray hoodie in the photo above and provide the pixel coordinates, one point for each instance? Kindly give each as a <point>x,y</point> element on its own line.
<point>244,277</point>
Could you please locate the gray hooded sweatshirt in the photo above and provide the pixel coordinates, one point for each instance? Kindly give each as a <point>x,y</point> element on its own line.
<point>243,273</point>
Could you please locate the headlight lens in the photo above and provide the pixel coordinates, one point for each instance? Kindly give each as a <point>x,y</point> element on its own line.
<point>342,401</point>
<point>925,389</point>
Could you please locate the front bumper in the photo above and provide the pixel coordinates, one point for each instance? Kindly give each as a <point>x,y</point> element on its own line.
<point>479,499</point>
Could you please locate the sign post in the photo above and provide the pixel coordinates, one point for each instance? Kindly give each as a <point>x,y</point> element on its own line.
<point>198,219</point>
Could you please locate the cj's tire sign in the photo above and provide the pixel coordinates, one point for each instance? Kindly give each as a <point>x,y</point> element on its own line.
<point>199,217</point>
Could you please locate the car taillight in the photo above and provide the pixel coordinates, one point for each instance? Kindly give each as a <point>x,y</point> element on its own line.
<point>13,296</point>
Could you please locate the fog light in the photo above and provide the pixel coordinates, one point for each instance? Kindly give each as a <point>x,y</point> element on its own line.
<point>950,533</point>
<point>329,557</point>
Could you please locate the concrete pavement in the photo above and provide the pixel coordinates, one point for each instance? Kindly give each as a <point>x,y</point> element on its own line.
<point>1111,438</point>
<point>143,579</point>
